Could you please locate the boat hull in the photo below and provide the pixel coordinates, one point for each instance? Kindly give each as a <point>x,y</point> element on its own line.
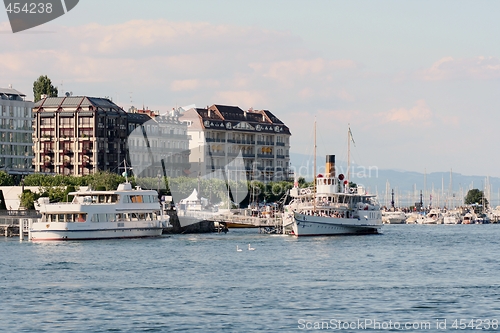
<point>306,225</point>
<point>65,231</point>
<point>395,221</point>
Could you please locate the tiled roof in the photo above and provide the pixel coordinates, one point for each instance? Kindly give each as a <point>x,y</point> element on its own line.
<point>217,115</point>
<point>10,91</point>
<point>84,102</point>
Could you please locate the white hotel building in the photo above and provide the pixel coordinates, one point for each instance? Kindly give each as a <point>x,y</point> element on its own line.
<point>220,132</point>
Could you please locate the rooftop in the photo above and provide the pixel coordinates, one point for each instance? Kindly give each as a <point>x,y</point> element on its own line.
<point>11,94</point>
<point>262,120</point>
<point>72,103</point>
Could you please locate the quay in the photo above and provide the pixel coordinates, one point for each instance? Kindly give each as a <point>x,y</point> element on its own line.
<point>16,222</point>
<point>224,220</point>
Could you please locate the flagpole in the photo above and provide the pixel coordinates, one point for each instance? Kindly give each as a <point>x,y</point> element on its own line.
<point>348,153</point>
<point>314,176</point>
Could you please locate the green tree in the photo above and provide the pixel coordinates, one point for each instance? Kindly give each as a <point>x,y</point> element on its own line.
<point>302,182</point>
<point>43,85</point>
<point>476,196</point>
<point>6,179</point>
<point>473,196</point>
<point>28,199</point>
<point>106,179</point>
<point>55,193</point>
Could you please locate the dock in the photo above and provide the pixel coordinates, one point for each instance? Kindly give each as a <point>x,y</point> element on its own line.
<point>11,220</point>
<point>240,218</point>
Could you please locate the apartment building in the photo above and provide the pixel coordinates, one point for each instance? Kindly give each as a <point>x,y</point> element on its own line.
<point>16,145</point>
<point>221,133</point>
<point>78,135</point>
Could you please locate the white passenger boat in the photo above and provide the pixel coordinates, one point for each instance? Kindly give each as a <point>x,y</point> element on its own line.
<point>396,217</point>
<point>324,210</point>
<point>434,216</point>
<point>452,217</point>
<point>123,213</point>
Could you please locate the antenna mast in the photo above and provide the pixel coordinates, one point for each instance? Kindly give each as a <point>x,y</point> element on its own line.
<point>314,176</point>
<point>348,153</point>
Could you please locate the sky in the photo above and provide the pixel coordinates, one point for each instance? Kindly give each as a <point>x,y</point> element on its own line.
<point>416,81</point>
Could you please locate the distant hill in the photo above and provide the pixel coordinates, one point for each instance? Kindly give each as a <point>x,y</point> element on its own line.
<point>407,185</point>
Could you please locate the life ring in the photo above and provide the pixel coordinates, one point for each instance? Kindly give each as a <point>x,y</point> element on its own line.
<point>352,190</point>
<point>308,191</point>
<point>303,191</point>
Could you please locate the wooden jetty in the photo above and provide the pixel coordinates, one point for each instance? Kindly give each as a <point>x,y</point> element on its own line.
<point>241,218</point>
<point>16,222</point>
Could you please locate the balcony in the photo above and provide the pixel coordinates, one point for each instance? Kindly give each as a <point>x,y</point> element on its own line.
<point>265,155</point>
<point>216,140</point>
<point>282,144</point>
<point>241,141</point>
<point>265,143</point>
<point>280,156</point>
<point>217,153</point>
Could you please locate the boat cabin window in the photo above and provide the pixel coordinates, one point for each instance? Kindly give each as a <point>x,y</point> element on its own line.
<point>105,198</point>
<point>136,198</point>
<point>103,218</point>
<point>81,217</point>
<point>139,199</point>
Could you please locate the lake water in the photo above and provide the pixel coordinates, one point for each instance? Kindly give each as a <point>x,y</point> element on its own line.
<point>409,275</point>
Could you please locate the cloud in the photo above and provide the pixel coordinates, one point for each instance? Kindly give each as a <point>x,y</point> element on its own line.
<point>289,70</point>
<point>190,62</point>
<point>243,98</point>
<point>449,68</point>
<point>192,84</point>
<point>420,114</point>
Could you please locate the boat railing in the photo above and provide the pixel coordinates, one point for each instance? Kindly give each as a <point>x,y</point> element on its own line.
<point>20,212</point>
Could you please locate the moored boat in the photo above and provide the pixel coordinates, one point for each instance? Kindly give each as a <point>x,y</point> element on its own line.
<point>393,217</point>
<point>434,216</point>
<point>323,210</point>
<point>122,213</point>
<point>452,217</point>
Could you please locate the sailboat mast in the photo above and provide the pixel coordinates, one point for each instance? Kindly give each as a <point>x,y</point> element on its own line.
<point>314,176</point>
<point>348,153</point>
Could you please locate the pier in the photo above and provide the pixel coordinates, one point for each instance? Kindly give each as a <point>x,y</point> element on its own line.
<point>269,222</point>
<point>11,220</point>
<point>266,224</point>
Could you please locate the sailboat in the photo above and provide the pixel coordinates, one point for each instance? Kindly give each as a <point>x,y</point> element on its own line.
<point>331,206</point>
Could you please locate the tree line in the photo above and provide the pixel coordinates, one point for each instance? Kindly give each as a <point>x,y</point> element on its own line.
<point>57,187</point>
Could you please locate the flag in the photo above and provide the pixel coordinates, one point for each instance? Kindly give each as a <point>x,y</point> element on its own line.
<point>350,136</point>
